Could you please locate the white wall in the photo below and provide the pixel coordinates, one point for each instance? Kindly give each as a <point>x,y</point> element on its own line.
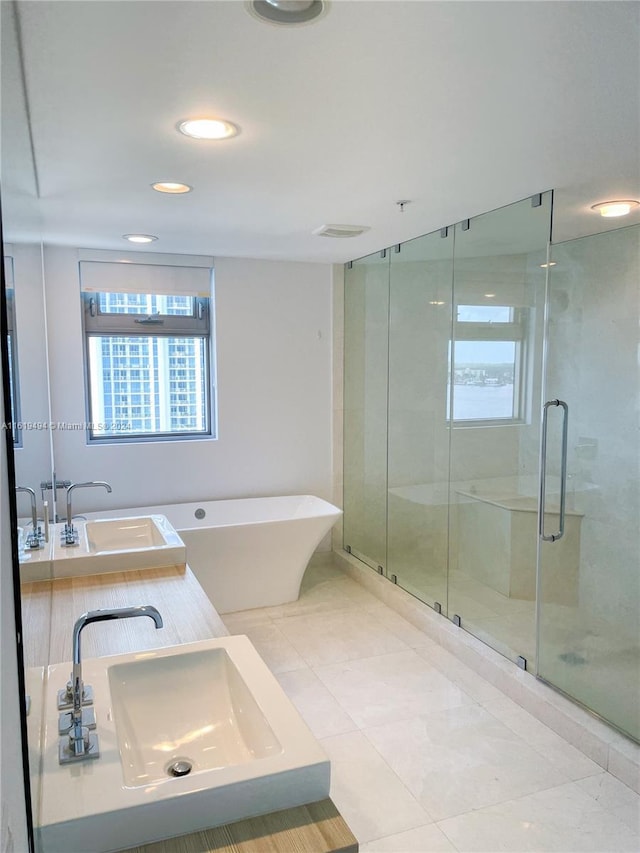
<point>274,363</point>
<point>33,459</point>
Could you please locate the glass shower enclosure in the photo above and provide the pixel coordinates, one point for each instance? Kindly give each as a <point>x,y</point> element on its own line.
<point>453,343</point>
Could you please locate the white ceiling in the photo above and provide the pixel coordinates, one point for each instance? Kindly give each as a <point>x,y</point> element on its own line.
<point>460,107</point>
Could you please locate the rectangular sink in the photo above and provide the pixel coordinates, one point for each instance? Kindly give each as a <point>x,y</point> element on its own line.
<point>223,725</point>
<point>119,534</point>
<point>212,709</point>
<point>118,544</point>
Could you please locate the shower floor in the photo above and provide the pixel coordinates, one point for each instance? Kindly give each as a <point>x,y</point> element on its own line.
<point>590,658</point>
<point>426,755</point>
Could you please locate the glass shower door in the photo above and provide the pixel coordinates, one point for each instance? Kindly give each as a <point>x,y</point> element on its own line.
<point>493,409</point>
<point>418,472</point>
<point>366,319</point>
<point>589,595</point>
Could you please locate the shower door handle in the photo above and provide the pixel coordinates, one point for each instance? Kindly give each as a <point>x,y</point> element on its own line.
<point>553,537</point>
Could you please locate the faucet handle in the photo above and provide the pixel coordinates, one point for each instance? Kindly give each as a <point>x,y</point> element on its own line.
<point>65,696</point>
<point>78,745</point>
<point>69,536</point>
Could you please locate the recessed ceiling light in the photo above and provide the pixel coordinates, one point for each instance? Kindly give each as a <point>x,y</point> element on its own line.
<point>340,230</point>
<point>550,264</point>
<point>489,295</point>
<point>617,207</point>
<point>208,128</point>
<point>287,11</point>
<point>434,302</point>
<point>139,238</point>
<point>171,187</point>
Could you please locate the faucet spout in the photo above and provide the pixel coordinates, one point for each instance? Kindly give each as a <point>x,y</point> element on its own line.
<point>34,510</point>
<point>78,736</point>
<point>73,486</point>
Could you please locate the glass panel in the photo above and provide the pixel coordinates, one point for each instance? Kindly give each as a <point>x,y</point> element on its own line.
<point>147,385</point>
<point>484,314</point>
<point>419,334</point>
<point>144,303</point>
<point>496,364</point>
<point>589,644</point>
<point>365,408</point>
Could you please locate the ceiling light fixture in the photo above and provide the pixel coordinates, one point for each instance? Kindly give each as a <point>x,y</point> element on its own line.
<point>139,238</point>
<point>550,264</point>
<point>208,128</point>
<point>617,207</point>
<point>287,11</point>
<point>489,295</point>
<point>340,230</point>
<point>171,187</point>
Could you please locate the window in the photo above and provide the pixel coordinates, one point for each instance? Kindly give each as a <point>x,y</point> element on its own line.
<point>148,364</point>
<point>486,361</point>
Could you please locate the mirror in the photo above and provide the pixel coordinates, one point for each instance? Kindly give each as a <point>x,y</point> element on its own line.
<point>27,342</point>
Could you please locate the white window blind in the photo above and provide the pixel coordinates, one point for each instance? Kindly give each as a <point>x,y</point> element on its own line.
<point>126,277</point>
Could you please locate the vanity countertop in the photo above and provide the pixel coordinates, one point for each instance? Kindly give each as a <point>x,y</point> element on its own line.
<point>187,613</point>
<point>49,610</point>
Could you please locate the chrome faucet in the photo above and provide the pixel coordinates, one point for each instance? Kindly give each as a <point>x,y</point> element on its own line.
<point>81,743</point>
<point>33,539</point>
<point>69,535</point>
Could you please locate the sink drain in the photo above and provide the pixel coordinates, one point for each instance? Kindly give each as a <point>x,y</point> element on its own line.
<point>180,768</point>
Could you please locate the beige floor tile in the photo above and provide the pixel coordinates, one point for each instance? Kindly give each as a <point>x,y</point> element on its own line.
<point>563,819</point>
<point>318,708</point>
<point>389,688</point>
<point>615,797</point>
<point>324,638</point>
<point>569,760</point>
<point>242,620</point>
<point>423,839</point>
<point>403,629</point>
<point>273,647</point>
<point>461,759</point>
<point>368,794</point>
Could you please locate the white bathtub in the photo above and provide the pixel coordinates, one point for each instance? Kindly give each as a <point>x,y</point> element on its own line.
<point>249,552</point>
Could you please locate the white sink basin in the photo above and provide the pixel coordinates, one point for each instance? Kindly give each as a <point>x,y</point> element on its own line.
<point>213,705</point>
<point>223,725</point>
<point>35,563</point>
<point>118,544</point>
<point>124,534</point>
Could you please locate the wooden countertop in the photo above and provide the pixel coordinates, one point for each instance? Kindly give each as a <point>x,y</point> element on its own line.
<point>49,609</point>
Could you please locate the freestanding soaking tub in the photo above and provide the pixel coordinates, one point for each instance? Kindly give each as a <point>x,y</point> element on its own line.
<point>248,552</point>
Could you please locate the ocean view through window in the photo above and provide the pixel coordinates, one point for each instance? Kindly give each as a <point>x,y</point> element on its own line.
<point>486,358</point>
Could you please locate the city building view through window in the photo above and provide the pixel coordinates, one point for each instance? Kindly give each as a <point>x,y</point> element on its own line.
<point>151,382</point>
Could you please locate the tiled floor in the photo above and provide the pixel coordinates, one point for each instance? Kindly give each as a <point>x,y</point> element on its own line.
<point>425,754</point>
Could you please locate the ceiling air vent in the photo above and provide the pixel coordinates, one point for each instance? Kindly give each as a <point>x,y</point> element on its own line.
<point>340,230</point>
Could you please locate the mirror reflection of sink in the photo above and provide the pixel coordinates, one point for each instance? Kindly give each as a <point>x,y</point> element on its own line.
<point>35,563</point>
<point>118,544</point>
<point>209,710</point>
<point>121,534</point>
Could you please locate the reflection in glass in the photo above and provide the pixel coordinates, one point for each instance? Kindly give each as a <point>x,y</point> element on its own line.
<point>12,348</point>
<point>366,303</point>
<point>496,355</point>
<point>418,431</point>
<point>589,644</point>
